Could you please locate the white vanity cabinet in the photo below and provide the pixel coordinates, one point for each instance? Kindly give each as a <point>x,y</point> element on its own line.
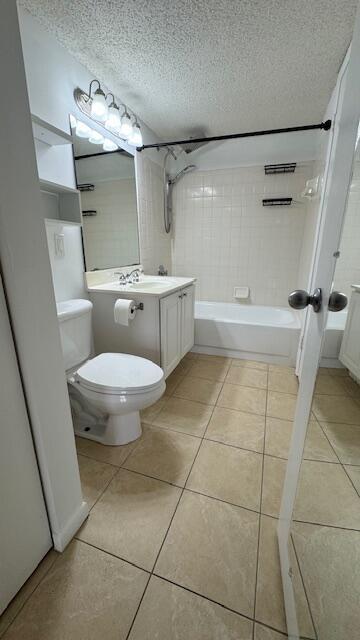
<point>162,330</point>
<point>176,327</point>
<point>350,346</point>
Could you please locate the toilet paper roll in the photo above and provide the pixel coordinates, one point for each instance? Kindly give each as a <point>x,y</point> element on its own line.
<point>124,311</point>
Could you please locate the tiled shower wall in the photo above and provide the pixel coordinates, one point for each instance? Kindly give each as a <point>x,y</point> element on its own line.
<point>224,237</point>
<point>348,265</point>
<point>155,244</point>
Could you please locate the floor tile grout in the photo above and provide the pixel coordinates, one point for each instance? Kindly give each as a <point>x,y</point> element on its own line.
<point>343,465</point>
<point>184,488</point>
<point>196,593</point>
<point>166,533</point>
<point>138,608</point>
<point>31,593</point>
<point>112,555</point>
<point>291,541</point>
<point>260,505</point>
<point>328,526</point>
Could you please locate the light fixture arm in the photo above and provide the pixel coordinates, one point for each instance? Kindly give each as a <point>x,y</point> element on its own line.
<point>113,103</point>
<point>99,87</point>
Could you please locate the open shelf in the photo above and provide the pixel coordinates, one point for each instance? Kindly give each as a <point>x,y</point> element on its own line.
<point>53,187</point>
<point>47,133</point>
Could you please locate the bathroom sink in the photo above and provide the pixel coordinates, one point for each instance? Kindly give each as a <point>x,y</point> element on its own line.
<point>153,283</point>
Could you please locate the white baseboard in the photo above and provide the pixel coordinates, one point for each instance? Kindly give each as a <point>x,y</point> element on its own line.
<point>63,537</point>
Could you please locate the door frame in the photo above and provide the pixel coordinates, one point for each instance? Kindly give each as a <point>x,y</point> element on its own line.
<point>337,179</point>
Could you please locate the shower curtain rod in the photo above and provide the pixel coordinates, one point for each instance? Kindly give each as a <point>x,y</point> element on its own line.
<point>307,127</point>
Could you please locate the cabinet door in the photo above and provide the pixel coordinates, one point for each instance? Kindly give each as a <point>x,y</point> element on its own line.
<point>350,347</point>
<point>187,320</point>
<point>171,318</point>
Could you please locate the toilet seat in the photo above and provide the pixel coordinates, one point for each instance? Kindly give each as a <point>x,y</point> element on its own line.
<point>119,374</point>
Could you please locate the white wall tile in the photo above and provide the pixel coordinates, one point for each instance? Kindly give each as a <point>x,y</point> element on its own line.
<point>224,237</point>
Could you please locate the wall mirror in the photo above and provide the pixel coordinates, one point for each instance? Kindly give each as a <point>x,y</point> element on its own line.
<point>106,180</point>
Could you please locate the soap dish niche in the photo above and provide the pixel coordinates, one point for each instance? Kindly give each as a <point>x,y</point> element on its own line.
<point>241,293</point>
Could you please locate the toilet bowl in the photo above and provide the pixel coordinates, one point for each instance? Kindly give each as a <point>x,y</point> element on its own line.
<point>120,386</point>
<point>106,392</point>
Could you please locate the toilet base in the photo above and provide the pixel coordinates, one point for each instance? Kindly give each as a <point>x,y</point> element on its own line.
<point>117,430</point>
<point>122,429</point>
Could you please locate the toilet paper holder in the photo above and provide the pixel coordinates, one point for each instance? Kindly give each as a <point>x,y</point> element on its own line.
<point>138,306</point>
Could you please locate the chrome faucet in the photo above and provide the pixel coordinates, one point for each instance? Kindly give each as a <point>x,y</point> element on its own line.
<point>133,276</point>
<point>122,277</point>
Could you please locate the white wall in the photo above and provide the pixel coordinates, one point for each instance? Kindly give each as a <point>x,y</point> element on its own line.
<point>271,149</point>
<point>27,279</point>
<point>225,237</point>
<point>347,270</point>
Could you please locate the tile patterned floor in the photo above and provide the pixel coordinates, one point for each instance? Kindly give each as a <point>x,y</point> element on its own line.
<point>182,530</point>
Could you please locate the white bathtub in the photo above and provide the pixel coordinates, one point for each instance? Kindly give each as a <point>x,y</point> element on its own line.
<point>332,340</point>
<point>269,334</point>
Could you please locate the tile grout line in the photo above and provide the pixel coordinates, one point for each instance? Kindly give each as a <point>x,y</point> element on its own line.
<point>343,465</point>
<point>303,584</point>
<point>30,594</point>
<point>260,505</point>
<point>182,491</point>
<point>168,528</point>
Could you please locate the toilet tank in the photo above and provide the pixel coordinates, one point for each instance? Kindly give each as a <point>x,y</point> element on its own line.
<point>74,318</point>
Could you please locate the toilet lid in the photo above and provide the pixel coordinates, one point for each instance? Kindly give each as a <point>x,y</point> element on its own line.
<point>119,373</point>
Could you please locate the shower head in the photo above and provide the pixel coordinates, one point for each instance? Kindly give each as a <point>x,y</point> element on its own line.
<point>179,175</point>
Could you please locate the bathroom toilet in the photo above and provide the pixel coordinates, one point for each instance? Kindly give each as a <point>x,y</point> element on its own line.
<point>116,386</point>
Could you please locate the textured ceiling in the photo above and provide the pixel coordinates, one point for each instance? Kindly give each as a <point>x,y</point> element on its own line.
<point>219,65</point>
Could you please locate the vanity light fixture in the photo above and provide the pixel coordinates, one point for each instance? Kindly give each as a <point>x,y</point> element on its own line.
<point>94,106</point>
<point>96,137</point>
<point>99,109</point>
<point>136,138</point>
<point>126,127</point>
<point>109,145</point>
<point>82,130</point>
<point>113,120</point>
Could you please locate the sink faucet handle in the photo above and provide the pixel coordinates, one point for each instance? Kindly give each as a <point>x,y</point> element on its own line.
<point>122,278</point>
<point>162,271</point>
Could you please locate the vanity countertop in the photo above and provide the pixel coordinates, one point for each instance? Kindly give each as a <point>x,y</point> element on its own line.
<point>158,286</point>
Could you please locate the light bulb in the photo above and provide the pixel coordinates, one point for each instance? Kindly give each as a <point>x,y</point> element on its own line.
<point>113,120</point>
<point>109,145</point>
<point>99,108</point>
<point>72,121</point>
<point>96,137</point>
<point>136,137</point>
<point>82,130</point>
<point>126,125</point>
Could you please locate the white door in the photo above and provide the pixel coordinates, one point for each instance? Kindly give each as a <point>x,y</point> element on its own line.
<point>24,529</point>
<point>337,178</point>
<point>170,319</point>
<point>187,324</point>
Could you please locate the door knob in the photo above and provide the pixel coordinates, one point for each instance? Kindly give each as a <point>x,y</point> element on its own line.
<point>299,299</point>
<point>337,301</point>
